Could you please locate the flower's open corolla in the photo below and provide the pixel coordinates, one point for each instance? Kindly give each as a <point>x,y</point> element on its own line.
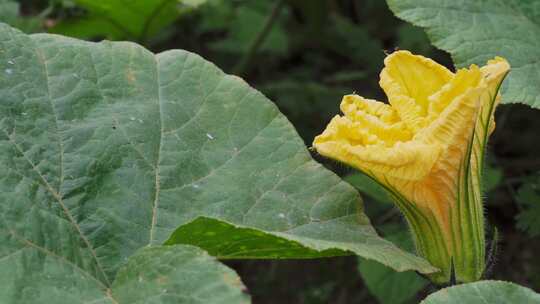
<point>426,147</point>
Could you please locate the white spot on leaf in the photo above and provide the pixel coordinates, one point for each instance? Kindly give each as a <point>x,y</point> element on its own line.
<point>209,136</point>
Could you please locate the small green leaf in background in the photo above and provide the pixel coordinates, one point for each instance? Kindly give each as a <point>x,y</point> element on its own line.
<point>474,31</point>
<point>492,292</point>
<point>388,286</point>
<point>121,19</point>
<point>529,197</point>
<point>176,274</point>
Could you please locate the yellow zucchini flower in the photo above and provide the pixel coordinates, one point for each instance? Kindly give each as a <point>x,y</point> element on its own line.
<point>426,147</point>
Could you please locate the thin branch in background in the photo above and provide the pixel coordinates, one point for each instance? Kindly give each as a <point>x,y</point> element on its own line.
<point>243,66</point>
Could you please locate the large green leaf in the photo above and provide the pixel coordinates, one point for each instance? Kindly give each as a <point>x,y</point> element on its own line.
<point>176,274</point>
<point>474,31</point>
<point>120,19</point>
<point>157,274</point>
<point>492,292</point>
<point>106,148</point>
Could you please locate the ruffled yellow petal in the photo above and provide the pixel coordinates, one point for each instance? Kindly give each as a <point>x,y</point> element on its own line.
<point>411,161</point>
<point>377,118</point>
<point>408,80</point>
<point>463,80</point>
<point>346,141</point>
<point>461,99</point>
<point>350,104</point>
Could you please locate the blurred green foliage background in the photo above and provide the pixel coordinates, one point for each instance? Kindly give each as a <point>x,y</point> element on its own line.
<point>305,55</point>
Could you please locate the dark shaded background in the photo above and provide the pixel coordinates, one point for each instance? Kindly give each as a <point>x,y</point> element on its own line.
<point>304,55</point>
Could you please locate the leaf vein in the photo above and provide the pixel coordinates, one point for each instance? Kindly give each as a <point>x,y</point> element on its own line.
<point>155,204</point>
